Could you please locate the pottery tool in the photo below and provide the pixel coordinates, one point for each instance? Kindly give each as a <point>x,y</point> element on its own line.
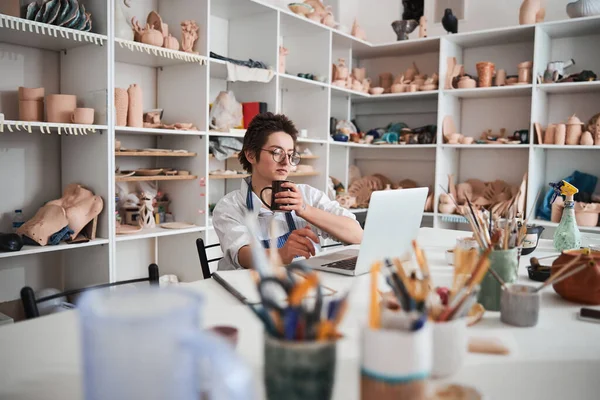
<point>487,346</point>
<point>560,275</point>
<point>374,311</point>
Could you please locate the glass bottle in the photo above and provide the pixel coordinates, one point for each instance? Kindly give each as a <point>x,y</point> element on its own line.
<point>567,235</point>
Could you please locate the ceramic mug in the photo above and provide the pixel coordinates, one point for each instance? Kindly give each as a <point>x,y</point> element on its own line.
<point>84,116</point>
<point>520,305</point>
<point>276,187</point>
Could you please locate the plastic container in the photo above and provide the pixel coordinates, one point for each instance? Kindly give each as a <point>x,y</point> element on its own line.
<point>18,220</point>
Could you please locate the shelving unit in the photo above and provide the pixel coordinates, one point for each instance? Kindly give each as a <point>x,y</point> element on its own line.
<point>91,65</point>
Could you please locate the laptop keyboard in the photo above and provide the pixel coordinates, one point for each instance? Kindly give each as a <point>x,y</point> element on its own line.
<point>345,264</point>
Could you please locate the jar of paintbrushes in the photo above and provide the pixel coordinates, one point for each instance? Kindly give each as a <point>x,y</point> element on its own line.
<point>396,346</point>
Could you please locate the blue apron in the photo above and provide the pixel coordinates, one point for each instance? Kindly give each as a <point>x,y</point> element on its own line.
<point>288,216</point>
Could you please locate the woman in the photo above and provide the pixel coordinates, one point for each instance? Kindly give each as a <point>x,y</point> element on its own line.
<point>268,153</point>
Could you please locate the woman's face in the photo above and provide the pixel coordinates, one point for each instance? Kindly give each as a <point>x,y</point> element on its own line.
<point>267,168</point>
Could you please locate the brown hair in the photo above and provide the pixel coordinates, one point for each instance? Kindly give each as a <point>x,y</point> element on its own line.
<point>258,132</point>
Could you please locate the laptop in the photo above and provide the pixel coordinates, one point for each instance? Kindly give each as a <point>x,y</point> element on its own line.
<point>393,221</point>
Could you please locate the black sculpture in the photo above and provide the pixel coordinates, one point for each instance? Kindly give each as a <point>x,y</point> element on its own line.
<point>449,21</point>
<point>413,9</point>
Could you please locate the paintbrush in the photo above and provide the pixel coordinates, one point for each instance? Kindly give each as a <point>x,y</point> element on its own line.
<point>422,261</point>
<point>568,274</point>
<point>498,278</point>
<point>551,280</point>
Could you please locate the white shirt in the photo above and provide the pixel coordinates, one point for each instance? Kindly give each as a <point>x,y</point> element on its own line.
<point>228,220</point>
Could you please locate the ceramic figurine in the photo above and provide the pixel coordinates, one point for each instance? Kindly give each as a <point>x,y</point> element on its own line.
<point>567,235</point>
<point>449,21</point>
<point>583,8</point>
<point>359,73</point>
<point>466,82</point>
<point>525,71</point>
<point>283,52</point>
<point>531,11</point>
<point>328,19</point>
<point>357,31</point>
<point>404,28</point>
<point>574,130</point>
<point>594,127</point>
<point>189,35</point>
<point>226,112</point>
<point>555,70</point>
<point>341,70</point>
<point>366,85</point>
<point>138,31</point>
<point>412,72</point>
<point>485,73</point>
<point>135,111</point>
<point>152,37</point>
<point>423,27</point>
<point>123,29</point>
<point>170,42</point>
<point>385,81</point>
<point>146,219</point>
<point>121,106</point>
<point>586,139</point>
<point>560,134</point>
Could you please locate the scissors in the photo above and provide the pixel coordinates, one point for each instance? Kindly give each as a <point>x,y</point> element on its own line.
<point>295,312</point>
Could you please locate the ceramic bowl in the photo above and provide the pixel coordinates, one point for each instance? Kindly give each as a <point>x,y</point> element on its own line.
<point>376,90</point>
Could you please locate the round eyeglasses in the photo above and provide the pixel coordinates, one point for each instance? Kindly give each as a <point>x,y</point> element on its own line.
<point>279,155</point>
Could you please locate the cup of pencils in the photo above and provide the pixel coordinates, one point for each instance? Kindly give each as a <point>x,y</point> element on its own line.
<point>396,349</point>
<point>503,269</point>
<point>300,334</point>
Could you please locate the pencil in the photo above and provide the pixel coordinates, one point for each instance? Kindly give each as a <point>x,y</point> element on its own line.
<point>375,311</point>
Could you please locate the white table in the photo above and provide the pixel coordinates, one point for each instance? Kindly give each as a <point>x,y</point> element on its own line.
<point>558,359</point>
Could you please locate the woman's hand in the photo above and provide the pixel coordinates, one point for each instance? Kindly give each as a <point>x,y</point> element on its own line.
<point>291,198</point>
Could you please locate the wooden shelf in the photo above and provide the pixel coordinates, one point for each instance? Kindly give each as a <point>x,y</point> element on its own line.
<point>240,176</point>
<point>310,157</point>
<point>152,154</point>
<point>155,178</point>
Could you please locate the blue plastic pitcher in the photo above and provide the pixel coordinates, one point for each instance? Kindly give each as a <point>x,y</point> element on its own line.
<point>146,344</point>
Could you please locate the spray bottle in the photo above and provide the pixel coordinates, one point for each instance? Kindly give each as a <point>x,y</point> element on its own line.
<point>567,235</point>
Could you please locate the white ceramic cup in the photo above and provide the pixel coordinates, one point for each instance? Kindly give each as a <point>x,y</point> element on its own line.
<point>450,345</point>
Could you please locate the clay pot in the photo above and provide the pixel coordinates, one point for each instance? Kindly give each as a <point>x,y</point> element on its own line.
<point>413,88</point>
<point>466,83</point>
<point>84,116</point>
<point>485,73</point>
<point>574,130</point>
<point>500,77</point>
<point>455,138</point>
<point>586,214</point>
<point>418,81</point>
<point>152,37</point>
<point>549,134</point>
<point>525,72</point>
<point>430,86</point>
<point>557,209</point>
<point>356,85</point>
<point>170,42</point>
<point>32,94</point>
<point>398,87</point>
<point>342,70</point>
<point>31,110</point>
<point>560,134</point>
<point>586,139</point>
<point>376,90</point>
<point>386,80</point>
<point>339,82</point>
<point>359,73</point>
<point>466,140</point>
<point>60,107</point>
<point>584,286</point>
<point>512,80</point>
<point>121,106</point>
<point>366,85</point>
<point>135,112</point>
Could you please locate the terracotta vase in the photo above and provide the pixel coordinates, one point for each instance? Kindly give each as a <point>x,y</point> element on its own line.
<point>342,70</point>
<point>586,139</point>
<point>574,130</point>
<point>135,112</point>
<point>170,42</point>
<point>121,106</point>
<point>359,73</point>
<point>60,107</point>
<point>357,31</point>
<point>84,116</point>
<point>525,72</point>
<point>582,287</point>
<point>34,94</point>
<point>152,37</point>
<point>531,11</point>
<point>550,133</point>
<point>485,73</point>
<point>31,110</point>
<point>398,88</point>
<point>385,81</point>
<point>560,134</point>
<point>501,77</point>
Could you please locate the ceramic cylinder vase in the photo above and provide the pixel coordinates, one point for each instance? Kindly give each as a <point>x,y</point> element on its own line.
<point>385,81</point>
<point>121,106</point>
<point>573,134</point>
<point>135,112</point>
<point>299,370</point>
<point>549,134</point>
<point>525,72</point>
<point>450,344</point>
<point>504,263</point>
<point>501,77</point>
<point>84,116</point>
<point>560,134</point>
<point>31,110</point>
<point>359,73</point>
<point>485,73</point>
<point>395,364</point>
<point>60,107</point>
<point>31,94</point>
<point>520,306</point>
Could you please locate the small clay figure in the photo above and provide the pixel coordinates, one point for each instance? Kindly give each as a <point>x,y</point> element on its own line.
<point>189,35</point>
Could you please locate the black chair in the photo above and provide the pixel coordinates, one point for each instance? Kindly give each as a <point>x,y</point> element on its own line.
<point>30,303</point>
<point>204,261</point>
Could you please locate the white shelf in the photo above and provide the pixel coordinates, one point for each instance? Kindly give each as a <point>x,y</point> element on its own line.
<point>570,87</point>
<point>343,92</point>
<point>27,33</point>
<point>152,131</point>
<point>50,127</point>
<point>485,146</point>
<point>551,224</point>
<point>383,146</point>
<point>427,94</point>
<point>218,68</point>
<point>497,36</point>
<point>309,140</point>
<point>130,52</point>
<point>494,91</point>
<point>291,82</point>
<point>564,147</point>
<point>30,250</point>
<point>149,233</point>
<point>364,210</point>
<point>236,133</point>
<point>572,27</point>
<point>394,49</point>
